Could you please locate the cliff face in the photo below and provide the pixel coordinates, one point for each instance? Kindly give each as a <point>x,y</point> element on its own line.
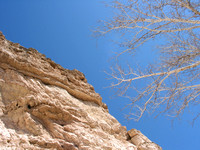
<point>44,106</point>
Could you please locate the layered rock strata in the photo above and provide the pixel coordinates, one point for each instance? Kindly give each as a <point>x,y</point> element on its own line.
<point>44,106</point>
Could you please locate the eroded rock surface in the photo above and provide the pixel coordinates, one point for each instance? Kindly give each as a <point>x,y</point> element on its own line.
<point>44,106</point>
<point>141,141</point>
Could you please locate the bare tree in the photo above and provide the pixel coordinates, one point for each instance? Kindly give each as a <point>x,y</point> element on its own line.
<point>173,84</point>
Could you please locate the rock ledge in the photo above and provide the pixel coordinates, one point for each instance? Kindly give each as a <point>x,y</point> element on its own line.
<point>44,106</point>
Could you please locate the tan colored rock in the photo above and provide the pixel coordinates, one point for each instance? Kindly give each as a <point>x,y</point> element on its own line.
<point>31,63</point>
<point>44,106</point>
<point>141,141</point>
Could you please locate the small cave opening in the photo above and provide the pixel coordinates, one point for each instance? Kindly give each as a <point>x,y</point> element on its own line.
<point>76,145</point>
<point>29,106</point>
<point>62,124</point>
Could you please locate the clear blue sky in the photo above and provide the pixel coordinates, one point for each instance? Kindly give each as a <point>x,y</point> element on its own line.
<point>61,29</point>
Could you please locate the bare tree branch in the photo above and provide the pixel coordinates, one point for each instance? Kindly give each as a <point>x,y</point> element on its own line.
<point>173,84</point>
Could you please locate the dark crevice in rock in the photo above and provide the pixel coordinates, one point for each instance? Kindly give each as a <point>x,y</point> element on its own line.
<point>29,106</point>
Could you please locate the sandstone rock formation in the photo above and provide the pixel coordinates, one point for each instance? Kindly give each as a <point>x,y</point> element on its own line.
<point>44,106</point>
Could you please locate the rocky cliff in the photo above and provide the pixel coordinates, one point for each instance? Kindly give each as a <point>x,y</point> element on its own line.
<point>44,106</point>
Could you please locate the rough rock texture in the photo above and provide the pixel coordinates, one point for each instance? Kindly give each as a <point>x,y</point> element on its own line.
<point>44,106</point>
<point>141,141</point>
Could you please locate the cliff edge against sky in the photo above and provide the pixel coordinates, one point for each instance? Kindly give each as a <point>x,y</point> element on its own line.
<point>44,106</point>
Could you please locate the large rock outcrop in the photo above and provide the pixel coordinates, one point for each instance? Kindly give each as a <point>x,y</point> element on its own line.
<point>44,106</point>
